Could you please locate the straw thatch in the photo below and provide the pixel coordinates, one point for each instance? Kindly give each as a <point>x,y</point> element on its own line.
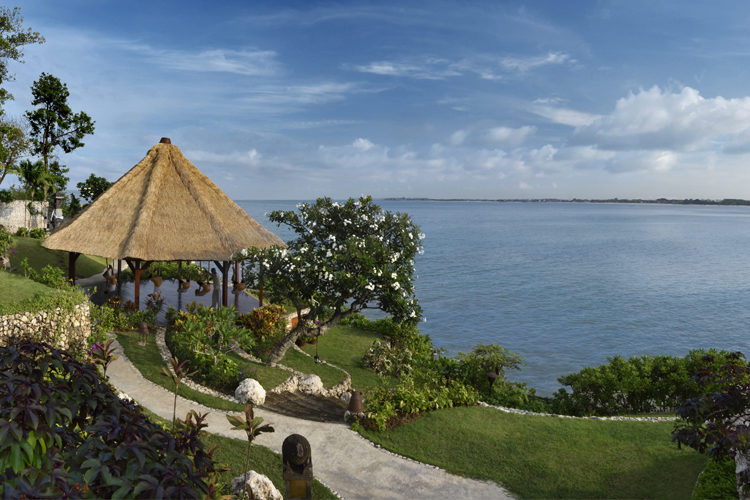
<point>162,209</point>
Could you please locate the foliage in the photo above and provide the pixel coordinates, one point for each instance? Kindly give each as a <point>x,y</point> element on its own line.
<point>252,427</point>
<point>71,205</point>
<point>716,481</point>
<point>178,372</point>
<point>5,240</point>
<point>54,125</point>
<point>644,384</point>
<point>102,354</point>
<point>416,393</point>
<point>346,257</point>
<point>13,36</point>
<point>35,180</point>
<point>717,421</point>
<point>388,359</point>
<point>483,359</point>
<point>13,145</point>
<point>51,276</point>
<point>67,434</point>
<point>92,187</point>
<point>203,337</point>
<point>267,325</point>
<point>38,233</point>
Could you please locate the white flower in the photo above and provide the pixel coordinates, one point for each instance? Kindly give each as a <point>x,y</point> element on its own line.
<point>411,236</point>
<point>394,275</point>
<point>370,287</point>
<point>421,236</point>
<point>244,252</point>
<point>329,254</point>
<point>413,314</point>
<point>336,204</point>
<point>332,238</point>
<point>396,285</point>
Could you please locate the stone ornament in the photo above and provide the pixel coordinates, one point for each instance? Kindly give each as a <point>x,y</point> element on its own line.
<point>250,391</point>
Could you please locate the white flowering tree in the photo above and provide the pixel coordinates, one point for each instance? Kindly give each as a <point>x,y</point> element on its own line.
<point>346,257</point>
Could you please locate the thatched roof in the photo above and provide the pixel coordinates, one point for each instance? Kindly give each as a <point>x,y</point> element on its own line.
<point>162,209</point>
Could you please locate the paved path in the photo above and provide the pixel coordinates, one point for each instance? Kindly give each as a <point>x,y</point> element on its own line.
<point>346,462</point>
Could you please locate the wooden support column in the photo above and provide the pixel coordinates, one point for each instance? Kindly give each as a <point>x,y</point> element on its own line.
<point>72,256</point>
<point>138,266</point>
<point>224,268</point>
<point>260,283</point>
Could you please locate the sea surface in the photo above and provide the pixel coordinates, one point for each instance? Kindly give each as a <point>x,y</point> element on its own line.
<point>566,285</point>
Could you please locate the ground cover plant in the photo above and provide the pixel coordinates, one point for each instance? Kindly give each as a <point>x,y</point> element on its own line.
<point>543,457</point>
<point>15,288</point>
<point>62,435</point>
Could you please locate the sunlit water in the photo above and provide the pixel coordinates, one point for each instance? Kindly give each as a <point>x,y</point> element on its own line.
<point>566,285</point>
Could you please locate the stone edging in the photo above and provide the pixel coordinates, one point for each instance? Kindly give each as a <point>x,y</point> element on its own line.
<point>615,418</point>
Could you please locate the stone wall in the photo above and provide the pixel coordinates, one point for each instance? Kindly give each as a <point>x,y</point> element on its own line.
<point>14,215</point>
<point>58,327</point>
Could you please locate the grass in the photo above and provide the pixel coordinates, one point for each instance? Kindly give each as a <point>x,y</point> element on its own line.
<point>148,361</point>
<point>231,453</point>
<point>344,346</point>
<point>329,375</point>
<point>15,288</point>
<point>267,376</point>
<point>39,257</point>
<point>543,457</point>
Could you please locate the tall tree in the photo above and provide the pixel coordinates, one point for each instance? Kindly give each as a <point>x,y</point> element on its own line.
<point>13,36</point>
<point>346,257</point>
<point>53,124</point>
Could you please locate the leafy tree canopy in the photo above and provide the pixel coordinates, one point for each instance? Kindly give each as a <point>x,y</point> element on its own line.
<point>53,124</point>
<point>13,36</point>
<point>92,187</point>
<point>346,257</point>
<point>13,145</point>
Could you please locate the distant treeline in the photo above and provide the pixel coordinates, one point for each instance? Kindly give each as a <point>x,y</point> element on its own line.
<point>665,201</point>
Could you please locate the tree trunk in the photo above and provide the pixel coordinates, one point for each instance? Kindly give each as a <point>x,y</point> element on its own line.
<point>290,338</point>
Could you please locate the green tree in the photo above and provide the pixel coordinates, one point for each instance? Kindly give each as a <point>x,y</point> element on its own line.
<point>54,125</point>
<point>13,36</point>
<point>92,187</point>
<point>34,180</point>
<point>346,257</point>
<point>13,144</point>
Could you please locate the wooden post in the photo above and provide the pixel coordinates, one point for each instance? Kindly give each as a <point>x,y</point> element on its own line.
<point>224,267</point>
<point>138,266</point>
<point>179,271</point>
<point>260,282</point>
<point>72,256</point>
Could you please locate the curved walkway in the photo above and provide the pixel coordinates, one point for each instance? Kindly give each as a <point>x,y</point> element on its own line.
<point>346,462</point>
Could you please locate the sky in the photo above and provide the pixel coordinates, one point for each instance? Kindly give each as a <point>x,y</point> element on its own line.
<point>496,99</point>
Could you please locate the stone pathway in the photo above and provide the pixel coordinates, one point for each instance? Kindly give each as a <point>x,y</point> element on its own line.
<point>347,463</point>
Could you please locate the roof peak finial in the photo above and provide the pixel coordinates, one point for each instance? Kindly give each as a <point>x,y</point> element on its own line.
<point>165,140</point>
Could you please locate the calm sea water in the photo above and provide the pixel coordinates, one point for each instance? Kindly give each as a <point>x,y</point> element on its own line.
<point>566,285</point>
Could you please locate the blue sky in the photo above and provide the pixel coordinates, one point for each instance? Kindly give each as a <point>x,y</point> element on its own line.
<point>295,100</point>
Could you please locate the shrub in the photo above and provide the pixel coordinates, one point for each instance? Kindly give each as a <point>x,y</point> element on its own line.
<point>387,359</point>
<point>203,337</point>
<point>644,384</point>
<point>38,233</point>
<point>22,231</point>
<point>68,435</point>
<point>267,325</point>
<point>5,240</point>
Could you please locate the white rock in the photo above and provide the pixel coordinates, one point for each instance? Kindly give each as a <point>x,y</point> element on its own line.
<point>251,391</point>
<point>261,488</point>
<point>310,384</point>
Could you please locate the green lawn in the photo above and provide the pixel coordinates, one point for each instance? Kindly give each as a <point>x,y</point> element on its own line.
<point>15,288</point>
<point>344,346</point>
<point>148,361</point>
<point>544,457</point>
<point>267,376</point>
<point>39,257</point>
<point>329,375</point>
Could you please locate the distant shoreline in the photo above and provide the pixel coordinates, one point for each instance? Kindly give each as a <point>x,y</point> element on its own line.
<point>660,201</point>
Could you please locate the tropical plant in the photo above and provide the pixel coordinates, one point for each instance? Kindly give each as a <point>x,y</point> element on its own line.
<point>253,427</point>
<point>177,373</point>
<point>92,187</point>
<point>346,257</point>
<point>103,353</point>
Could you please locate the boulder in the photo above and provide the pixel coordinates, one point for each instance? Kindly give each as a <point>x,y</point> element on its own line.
<point>260,487</point>
<point>310,384</point>
<point>250,391</point>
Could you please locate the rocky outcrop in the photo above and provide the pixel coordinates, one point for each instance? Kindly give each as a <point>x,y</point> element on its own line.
<point>259,486</point>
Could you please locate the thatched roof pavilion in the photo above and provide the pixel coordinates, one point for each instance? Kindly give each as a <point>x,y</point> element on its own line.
<point>162,209</point>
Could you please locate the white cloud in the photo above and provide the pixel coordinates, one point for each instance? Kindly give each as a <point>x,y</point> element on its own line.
<point>246,62</point>
<point>528,63</point>
<point>249,158</point>
<point>564,116</point>
<point>682,120</point>
<point>363,144</point>
<point>507,136</point>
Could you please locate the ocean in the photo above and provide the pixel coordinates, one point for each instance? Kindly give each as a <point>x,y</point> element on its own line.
<point>566,285</point>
